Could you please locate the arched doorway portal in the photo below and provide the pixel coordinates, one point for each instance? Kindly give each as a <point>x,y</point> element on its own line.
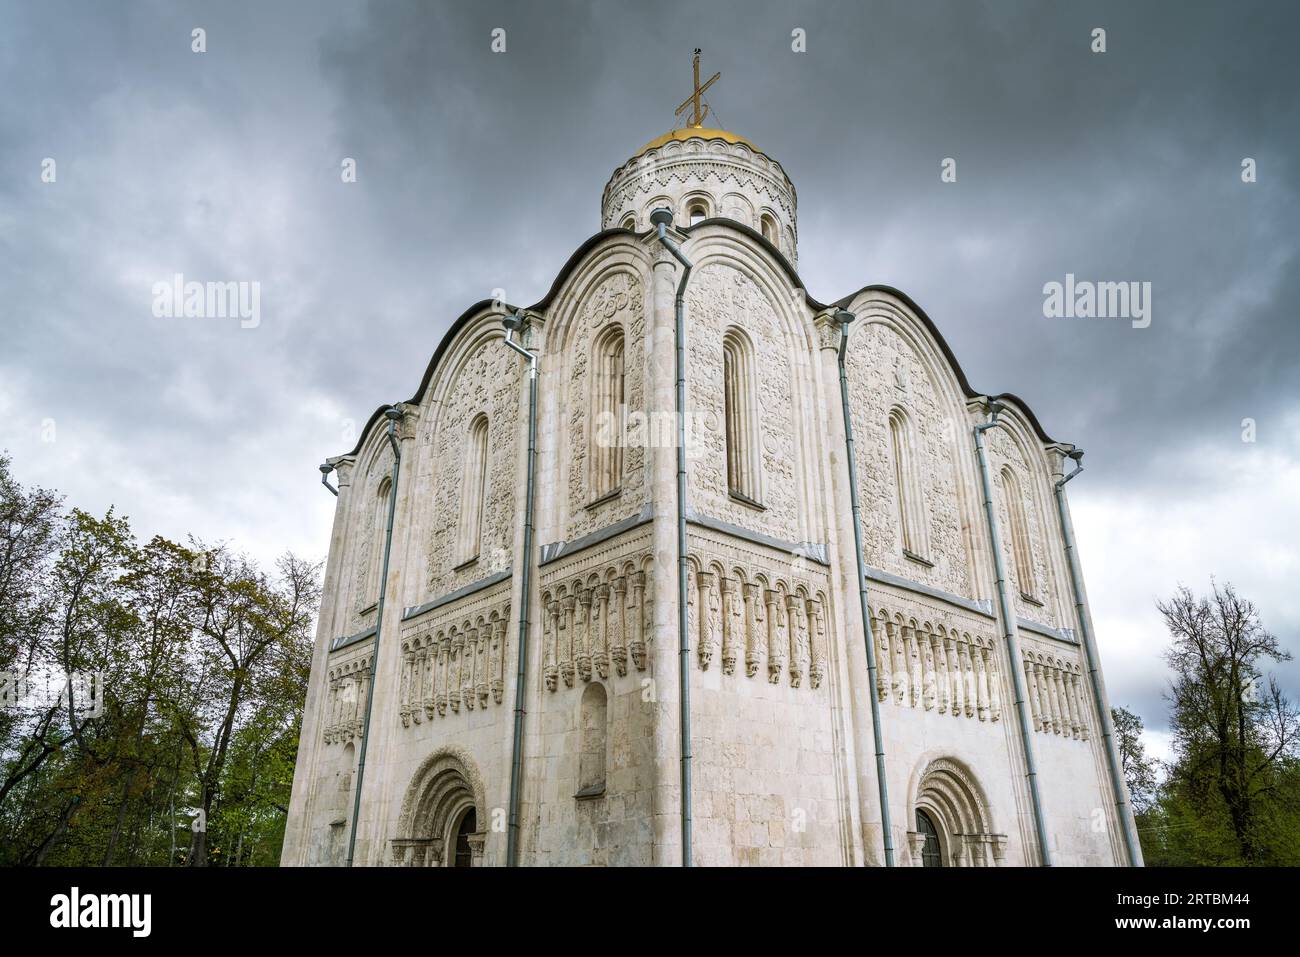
<point>953,826</point>
<point>442,815</point>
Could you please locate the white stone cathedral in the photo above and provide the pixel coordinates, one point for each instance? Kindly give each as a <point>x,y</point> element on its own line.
<point>583,761</point>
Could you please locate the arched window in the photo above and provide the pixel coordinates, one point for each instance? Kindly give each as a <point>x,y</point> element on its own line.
<point>607,408</point>
<point>378,524</point>
<point>591,761</point>
<point>630,223</point>
<point>741,421</point>
<point>931,855</point>
<point>1022,554</point>
<point>913,522</point>
<point>697,212</point>
<point>767,226</point>
<point>473,491</point>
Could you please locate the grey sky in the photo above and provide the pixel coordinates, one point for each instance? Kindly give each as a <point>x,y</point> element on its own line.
<point>479,170</point>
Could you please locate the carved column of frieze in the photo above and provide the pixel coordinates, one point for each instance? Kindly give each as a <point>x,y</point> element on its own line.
<point>1051,722</point>
<point>457,669</point>
<point>1083,709</point>
<point>469,667</point>
<point>568,622</point>
<point>444,674</point>
<point>968,673</point>
<point>429,703</point>
<point>1031,691</point>
<point>941,666</point>
<point>483,670</point>
<point>710,611</point>
<point>732,624</point>
<point>636,640</point>
<point>898,664</point>
<point>500,644</point>
<point>913,666</point>
<point>1069,723</point>
<point>332,721</point>
<point>1053,704</point>
<point>995,683</point>
<point>775,636</point>
<point>883,663</point>
<point>1067,717</point>
<point>617,626</point>
<point>600,631</point>
<point>798,639</point>
<point>816,642</point>
<point>418,667</point>
<point>981,681</point>
<point>582,618</point>
<point>956,682</point>
<point>755,630</point>
<point>359,710</point>
<point>930,687</point>
<point>404,695</point>
<point>551,645</point>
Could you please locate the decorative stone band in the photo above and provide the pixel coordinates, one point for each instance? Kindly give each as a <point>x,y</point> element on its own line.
<point>757,606</point>
<point>456,659</point>
<point>348,681</point>
<point>595,619</point>
<point>936,666</point>
<point>1056,689</point>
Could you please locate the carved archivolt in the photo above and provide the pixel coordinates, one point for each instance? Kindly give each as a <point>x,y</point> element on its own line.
<point>345,702</point>
<point>445,787</point>
<point>936,665</point>
<point>456,660</point>
<point>951,797</point>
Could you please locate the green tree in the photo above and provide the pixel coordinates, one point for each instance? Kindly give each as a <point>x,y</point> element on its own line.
<point>1235,733</point>
<point>1139,769</point>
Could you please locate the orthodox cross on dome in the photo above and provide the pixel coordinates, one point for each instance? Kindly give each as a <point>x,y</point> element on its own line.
<point>697,114</point>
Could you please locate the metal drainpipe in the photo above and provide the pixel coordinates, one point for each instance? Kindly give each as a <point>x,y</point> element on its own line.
<point>393,415</point>
<point>1009,634</point>
<point>1127,827</point>
<point>844,317</point>
<point>514,322</point>
<point>662,219</point>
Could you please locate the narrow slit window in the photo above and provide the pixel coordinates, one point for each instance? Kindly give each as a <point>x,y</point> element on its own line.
<point>608,398</point>
<point>473,491</point>
<point>1022,553</point>
<point>738,410</point>
<point>379,523</point>
<point>913,524</point>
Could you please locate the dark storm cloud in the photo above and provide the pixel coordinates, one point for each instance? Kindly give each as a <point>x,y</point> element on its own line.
<point>479,171</point>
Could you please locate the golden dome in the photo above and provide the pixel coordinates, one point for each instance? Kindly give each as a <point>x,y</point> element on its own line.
<point>693,132</point>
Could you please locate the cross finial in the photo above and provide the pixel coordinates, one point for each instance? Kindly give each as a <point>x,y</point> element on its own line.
<point>697,113</point>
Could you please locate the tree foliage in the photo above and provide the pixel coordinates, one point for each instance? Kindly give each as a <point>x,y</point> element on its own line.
<point>1231,793</point>
<point>176,740</point>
